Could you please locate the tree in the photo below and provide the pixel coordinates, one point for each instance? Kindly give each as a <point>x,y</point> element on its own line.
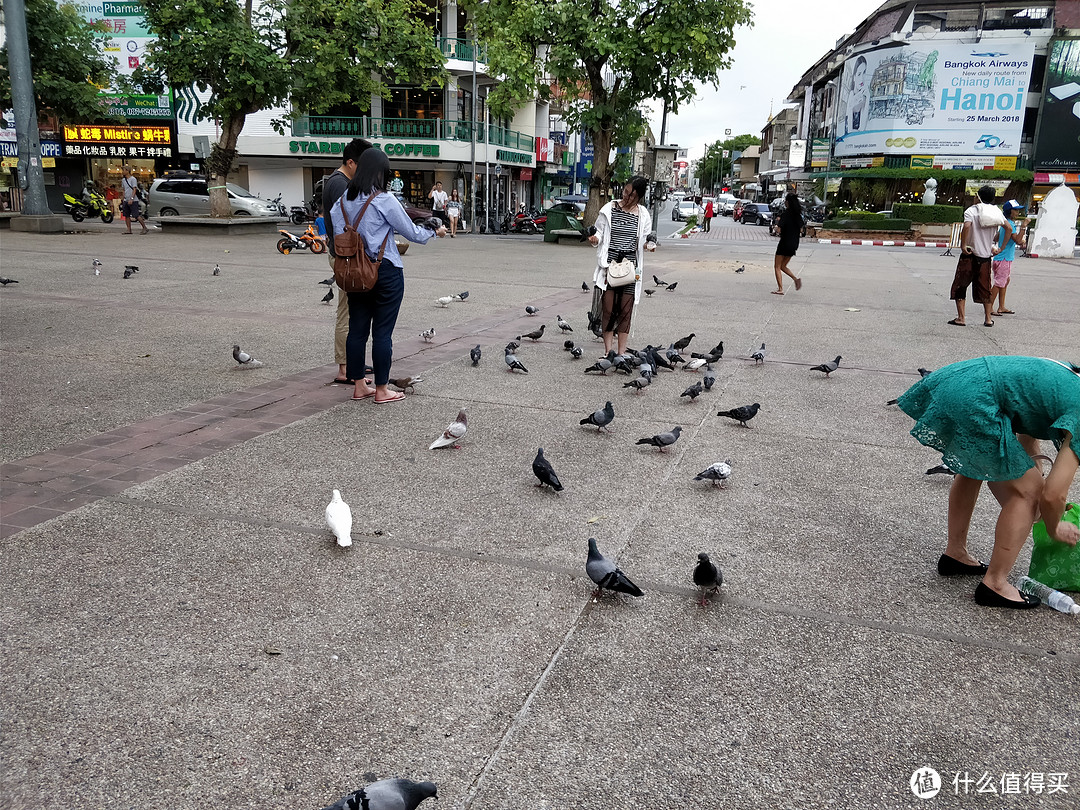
<point>714,167</point>
<point>69,67</point>
<point>311,54</point>
<point>605,58</point>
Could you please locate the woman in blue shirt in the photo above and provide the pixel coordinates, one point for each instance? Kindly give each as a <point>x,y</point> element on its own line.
<point>374,313</point>
<point>1002,264</point>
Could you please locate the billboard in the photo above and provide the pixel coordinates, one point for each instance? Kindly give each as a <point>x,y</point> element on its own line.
<point>127,35</point>
<point>935,98</point>
<point>1057,146</point>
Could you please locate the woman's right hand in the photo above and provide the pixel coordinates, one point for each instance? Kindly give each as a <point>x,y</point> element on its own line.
<point>1066,533</point>
<point>441,232</point>
<point>594,240</point>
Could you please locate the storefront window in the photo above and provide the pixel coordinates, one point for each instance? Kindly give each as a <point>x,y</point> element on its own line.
<point>107,172</point>
<point>409,102</point>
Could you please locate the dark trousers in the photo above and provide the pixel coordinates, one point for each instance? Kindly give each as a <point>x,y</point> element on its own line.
<point>374,313</point>
<point>708,222</point>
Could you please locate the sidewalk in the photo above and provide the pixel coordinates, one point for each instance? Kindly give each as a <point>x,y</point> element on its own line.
<point>181,631</point>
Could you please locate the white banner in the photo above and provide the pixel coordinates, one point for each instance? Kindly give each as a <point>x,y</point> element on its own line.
<point>928,98</point>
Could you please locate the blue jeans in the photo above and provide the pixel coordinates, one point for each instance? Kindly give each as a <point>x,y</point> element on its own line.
<point>374,313</point>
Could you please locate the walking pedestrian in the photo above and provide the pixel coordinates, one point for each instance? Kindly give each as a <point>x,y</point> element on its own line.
<point>977,242</point>
<point>1002,264</point>
<point>130,207</point>
<point>708,215</point>
<point>791,226</point>
<point>454,208</point>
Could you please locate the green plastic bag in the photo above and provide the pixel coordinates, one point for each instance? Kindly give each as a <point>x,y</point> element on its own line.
<point>1053,563</point>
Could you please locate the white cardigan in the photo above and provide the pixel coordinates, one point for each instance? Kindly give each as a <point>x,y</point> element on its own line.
<point>603,232</point>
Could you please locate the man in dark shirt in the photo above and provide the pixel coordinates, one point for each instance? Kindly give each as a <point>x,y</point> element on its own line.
<point>333,187</point>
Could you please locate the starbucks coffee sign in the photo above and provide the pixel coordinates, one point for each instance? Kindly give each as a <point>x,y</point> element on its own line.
<point>392,148</point>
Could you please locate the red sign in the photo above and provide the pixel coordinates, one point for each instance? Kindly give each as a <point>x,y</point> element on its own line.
<point>543,149</point>
<point>526,174</point>
<point>682,164</point>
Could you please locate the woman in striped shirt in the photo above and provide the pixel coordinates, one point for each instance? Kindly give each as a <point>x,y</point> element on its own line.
<point>623,229</point>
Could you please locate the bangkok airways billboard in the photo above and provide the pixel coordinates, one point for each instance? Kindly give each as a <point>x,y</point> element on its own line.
<point>929,98</point>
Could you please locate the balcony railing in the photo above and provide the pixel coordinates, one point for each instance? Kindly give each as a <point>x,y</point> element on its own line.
<point>461,49</point>
<point>421,129</point>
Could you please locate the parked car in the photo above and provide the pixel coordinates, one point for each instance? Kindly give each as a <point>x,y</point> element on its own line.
<point>756,214</point>
<point>189,196</point>
<point>725,204</point>
<point>685,209</point>
<point>417,215</point>
<point>577,210</point>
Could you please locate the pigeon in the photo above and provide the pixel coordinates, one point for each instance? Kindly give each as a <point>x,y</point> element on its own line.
<point>694,391</point>
<point>639,383</point>
<point>4,280</point>
<point>623,363</point>
<point>513,346</point>
<point>682,343</point>
<point>606,574</point>
<point>656,360</point>
<point>132,267</point>
<point>461,296</point>
<point>217,270</point>
<point>673,356</point>
<point>474,354</point>
<point>542,470</point>
<point>326,299</point>
<point>568,345</point>
<point>708,358</point>
<point>513,363</point>
<point>428,334</point>
<point>707,576</point>
<point>387,794</point>
<point>531,310</point>
<point>742,414</point>
<point>923,372</point>
<point>454,431</point>
<point>128,272</point>
<point>758,355</point>
<point>828,368</point>
<point>671,287</point>
<point>584,287</point>
<point>243,358</point>
<point>709,377</point>
<point>603,364</point>
<point>650,292</point>
<point>96,264</point>
<point>339,519</point>
<point>445,301</point>
<point>563,325</point>
<point>576,352</point>
<point>718,473</point>
<point>533,336</point>
<point>405,383</point>
<point>600,418</point>
<point>329,282</point>
<point>741,269</point>
<point>658,282</point>
<point>716,351</point>
<point>940,469</point>
<point>694,364</point>
<point>662,440</point>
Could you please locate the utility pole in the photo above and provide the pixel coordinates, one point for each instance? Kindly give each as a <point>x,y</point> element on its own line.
<point>36,216</point>
<point>472,139</point>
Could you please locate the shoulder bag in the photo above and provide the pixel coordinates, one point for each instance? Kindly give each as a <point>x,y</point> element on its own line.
<point>353,270</point>
<point>622,272</point>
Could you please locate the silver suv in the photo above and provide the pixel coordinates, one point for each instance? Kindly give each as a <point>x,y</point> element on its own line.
<point>190,196</point>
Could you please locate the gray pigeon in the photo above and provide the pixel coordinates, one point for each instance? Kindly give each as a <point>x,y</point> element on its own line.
<point>742,414</point>
<point>740,269</point>
<point>576,352</point>
<point>217,270</point>
<point>707,576</point>
<point>568,345</point>
<point>603,364</point>
<point>709,377</point>
<point>606,574</point>
<point>387,794</point>
<point>474,354</point>
<point>533,336</point>
<point>4,280</point>
<point>829,367</point>
<point>600,418</point>
<point>758,355</point>
<point>543,470</point>
<point>128,272</point>
<point>694,391</point>
<point>513,364</point>
<point>682,343</point>
<point>326,299</point>
<point>718,473</point>
<point>328,282</point>
<point>243,358</point>
<point>513,346</point>
<point>563,325</point>
<point>639,384</point>
<point>662,440</point>
<point>531,310</point>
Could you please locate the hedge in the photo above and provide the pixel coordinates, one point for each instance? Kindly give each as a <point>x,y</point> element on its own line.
<point>864,224</point>
<point>929,213</point>
<point>856,214</point>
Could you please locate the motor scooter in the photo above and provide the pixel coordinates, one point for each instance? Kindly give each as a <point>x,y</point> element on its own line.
<point>309,240</point>
<point>522,223</point>
<point>91,205</point>
<point>300,214</point>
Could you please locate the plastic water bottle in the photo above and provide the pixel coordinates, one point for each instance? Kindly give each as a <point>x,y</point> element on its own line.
<point>1055,599</point>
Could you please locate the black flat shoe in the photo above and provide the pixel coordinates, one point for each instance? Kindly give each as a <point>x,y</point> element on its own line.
<point>988,598</point>
<point>951,567</point>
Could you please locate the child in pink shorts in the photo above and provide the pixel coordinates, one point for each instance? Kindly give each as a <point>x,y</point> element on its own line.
<point>1001,269</point>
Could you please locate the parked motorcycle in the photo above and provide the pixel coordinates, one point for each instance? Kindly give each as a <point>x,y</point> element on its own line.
<point>281,209</point>
<point>91,205</point>
<point>300,214</point>
<point>522,223</point>
<point>309,240</point>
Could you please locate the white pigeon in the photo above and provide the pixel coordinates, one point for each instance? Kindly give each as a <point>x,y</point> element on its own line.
<point>244,359</point>
<point>428,334</point>
<point>758,355</point>
<point>695,364</point>
<point>339,519</point>
<point>454,431</point>
<point>97,267</point>
<point>563,325</point>
<point>445,301</point>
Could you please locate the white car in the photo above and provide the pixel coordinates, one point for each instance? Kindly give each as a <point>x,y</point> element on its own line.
<point>726,204</point>
<point>685,209</point>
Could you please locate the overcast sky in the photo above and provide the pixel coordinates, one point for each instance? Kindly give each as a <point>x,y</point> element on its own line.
<point>788,37</point>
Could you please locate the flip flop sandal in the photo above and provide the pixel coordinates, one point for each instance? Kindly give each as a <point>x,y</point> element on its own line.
<point>988,325</point>
<point>955,322</point>
<point>364,396</point>
<point>394,398</point>
<point>776,292</point>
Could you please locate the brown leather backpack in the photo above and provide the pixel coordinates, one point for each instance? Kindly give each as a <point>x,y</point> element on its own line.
<point>353,270</point>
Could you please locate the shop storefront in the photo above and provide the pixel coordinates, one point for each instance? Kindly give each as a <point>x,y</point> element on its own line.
<point>96,153</point>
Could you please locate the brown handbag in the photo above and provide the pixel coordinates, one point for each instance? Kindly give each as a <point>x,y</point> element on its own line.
<point>353,270</point>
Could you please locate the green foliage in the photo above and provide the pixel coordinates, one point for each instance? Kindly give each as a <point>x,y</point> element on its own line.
<point>929,213</point>
<point>857,214</point>
<point>68,66</point>
<point>604,60</point>
<point>847,223</point>
<point>1020,175</point>
<point>714,167</point>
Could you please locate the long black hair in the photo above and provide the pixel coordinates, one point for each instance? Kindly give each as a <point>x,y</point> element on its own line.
<point>640,186</point>
<point>372,174</point>
<point>793,203</point>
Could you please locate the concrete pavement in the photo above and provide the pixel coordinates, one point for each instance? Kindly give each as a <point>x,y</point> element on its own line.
<point>181,630</point>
